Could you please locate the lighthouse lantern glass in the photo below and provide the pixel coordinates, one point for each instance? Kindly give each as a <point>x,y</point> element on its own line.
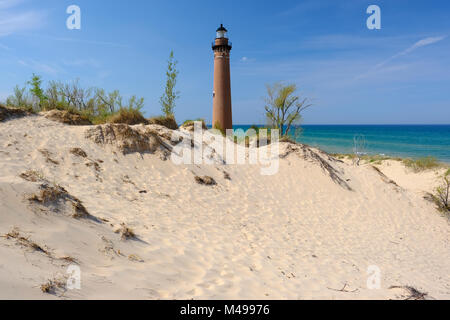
<point>221,34</point>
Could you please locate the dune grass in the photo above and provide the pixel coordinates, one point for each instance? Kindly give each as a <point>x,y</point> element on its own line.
<point>166,121</point>
<point>422,164</point>
<point>127,116</point>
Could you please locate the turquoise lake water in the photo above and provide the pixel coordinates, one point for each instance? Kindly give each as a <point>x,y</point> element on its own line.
<point>407,141</point>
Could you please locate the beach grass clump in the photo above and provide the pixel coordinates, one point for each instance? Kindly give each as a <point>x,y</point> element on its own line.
<point>128,116</point>
<point>422,164</point>
<point>189,124</point>
<point>165,121</point>
<point>368,158</point>
<point>442,194</point>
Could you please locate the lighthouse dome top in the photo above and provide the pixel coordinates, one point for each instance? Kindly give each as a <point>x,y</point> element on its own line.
<point>221,32</point>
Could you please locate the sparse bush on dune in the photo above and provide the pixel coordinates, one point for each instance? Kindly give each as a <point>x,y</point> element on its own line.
<point>77,105</point>
<point>166,121</point>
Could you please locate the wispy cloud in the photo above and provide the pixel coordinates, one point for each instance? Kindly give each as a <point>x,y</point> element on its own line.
<point>304,7</point>
<point>4,4</point>
<point>246,59</point>
<point>12,21</point>
<point>415,46</point>
<point>4,47</point>
<point>63,39</point>
<point>93,63</point>
<point>419,44</point>
<point>42,67</point>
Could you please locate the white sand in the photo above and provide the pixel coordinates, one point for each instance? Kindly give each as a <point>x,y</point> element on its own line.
<point>294,235</point>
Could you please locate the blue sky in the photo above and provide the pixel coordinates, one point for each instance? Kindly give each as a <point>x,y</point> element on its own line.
<point>399,74</point>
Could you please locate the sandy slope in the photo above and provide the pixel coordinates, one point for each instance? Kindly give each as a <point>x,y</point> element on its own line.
<point>296,235</point>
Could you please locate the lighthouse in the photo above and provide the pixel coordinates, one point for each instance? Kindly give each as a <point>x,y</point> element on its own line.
<point>222,118</point>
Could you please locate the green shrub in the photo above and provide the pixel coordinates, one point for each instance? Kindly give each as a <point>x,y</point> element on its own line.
<point>92,104</point>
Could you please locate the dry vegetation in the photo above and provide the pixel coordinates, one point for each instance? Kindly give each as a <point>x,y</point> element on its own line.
<point>205,180</point>
<point>413,293</point>
<point>48,156</point>
<point>384,177</point>
<point>32,175</point>
<point>321,158</point>
<point>25,242</point>
<point>52,286</point>
<point>127,139</point>
<point>55,195</point>
<point>78,152</point>
<point>126,233</point>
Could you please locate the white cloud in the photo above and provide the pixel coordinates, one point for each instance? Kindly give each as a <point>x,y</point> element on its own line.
<point>14,21</point>
<point>244,59</point>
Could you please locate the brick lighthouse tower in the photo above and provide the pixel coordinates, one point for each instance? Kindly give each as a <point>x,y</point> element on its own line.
<point>222,88</point>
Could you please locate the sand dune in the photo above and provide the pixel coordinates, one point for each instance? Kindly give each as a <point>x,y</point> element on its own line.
<point>309,231</point>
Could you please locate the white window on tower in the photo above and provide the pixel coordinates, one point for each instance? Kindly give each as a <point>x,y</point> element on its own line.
<point>221,34</point>
<point>214,94</point>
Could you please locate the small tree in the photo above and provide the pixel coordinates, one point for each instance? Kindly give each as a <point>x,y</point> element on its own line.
<point>167,100</point>
<point>284,107</point>
<point>37,91</point>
